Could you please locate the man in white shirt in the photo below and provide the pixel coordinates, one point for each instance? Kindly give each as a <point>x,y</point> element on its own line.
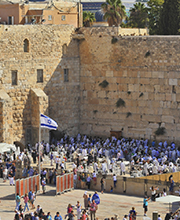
<point>57,161</point>
<point>123,167</point>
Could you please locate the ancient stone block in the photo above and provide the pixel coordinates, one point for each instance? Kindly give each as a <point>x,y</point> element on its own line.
<point>168,119</point>
<point>173,82</point>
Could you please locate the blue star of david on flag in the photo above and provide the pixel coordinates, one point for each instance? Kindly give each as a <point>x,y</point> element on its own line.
<point>47,122</point>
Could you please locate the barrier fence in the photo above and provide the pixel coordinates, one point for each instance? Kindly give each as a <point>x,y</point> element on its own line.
<point>64,183</point>
<point>23,186</point>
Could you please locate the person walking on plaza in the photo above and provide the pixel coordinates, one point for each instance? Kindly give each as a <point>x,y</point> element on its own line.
<point>5,172</point>
<point>33,197</point>
<point>26,199</point>
<point>30,195</point>
<point>85,196</point>
<point>18,200</point>
<point>93,209</point>
<point>48,217</point>
<point>145,205</point>
<point>11,178</point>
<point>79,207</point>
<point>44,185</point>
<point>58,216</point>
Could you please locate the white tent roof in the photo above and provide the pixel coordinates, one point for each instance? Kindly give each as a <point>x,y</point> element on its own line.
<point>168,199</point>
<point>7,147</point>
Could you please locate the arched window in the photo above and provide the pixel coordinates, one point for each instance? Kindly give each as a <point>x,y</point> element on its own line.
<point>64,49</point>
<point>26,45</point>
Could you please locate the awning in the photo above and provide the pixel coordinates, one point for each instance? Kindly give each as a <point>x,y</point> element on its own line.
<point>7,147</point>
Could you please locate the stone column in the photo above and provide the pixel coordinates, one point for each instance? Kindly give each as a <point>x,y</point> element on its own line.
<point>6,132</point>
<point>39,104</point>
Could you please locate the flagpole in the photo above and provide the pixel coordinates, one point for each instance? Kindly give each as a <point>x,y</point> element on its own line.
<point>39,147</point>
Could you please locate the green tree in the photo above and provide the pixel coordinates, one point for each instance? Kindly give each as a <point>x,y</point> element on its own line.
<point>141,0</point>
<point>88,18</point>
<point>114,12</point>
<point>169,22</point>
<point>138,16</point>
<point>154,9</point>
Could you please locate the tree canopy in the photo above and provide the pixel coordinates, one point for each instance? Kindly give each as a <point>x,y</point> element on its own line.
<point>154,9</point>
<point>114,12</point>
<point>169,22</point>
<point>138,16</point>
<point>88,18</point>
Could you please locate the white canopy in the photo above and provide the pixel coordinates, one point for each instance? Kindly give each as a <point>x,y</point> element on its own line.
<point>168,199</point>
<point>7,147</point>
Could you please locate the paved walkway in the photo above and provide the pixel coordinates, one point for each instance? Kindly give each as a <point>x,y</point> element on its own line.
<point>110,203</point>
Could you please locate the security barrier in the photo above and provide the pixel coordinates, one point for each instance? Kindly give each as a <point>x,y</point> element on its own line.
<point>64,183</point>
<point>23,186</point>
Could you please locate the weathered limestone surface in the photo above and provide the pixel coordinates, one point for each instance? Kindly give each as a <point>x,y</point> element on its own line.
<point>5,117</point>
<point>45,52</point>
<point>144,71</point>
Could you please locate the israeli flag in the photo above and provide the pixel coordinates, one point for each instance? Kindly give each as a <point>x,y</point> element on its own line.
<point>47,122</point>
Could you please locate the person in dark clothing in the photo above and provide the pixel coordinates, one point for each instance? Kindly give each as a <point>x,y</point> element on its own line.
<point>168,216</point>
<point>13,169</point>
<point>34,156</point>
<point>77,161</point>
<point>1,171</point>
<point>16,217</point>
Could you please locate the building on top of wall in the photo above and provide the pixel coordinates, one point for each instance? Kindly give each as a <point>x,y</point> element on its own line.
<point>41,12</point>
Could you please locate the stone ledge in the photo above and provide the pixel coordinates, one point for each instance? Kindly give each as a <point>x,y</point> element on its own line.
<point>78,36</point>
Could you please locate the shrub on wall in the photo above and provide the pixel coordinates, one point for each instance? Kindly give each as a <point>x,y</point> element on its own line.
<point>147,54</point>
<point>104,84</point>
<point>120,103</point>
<point>114,40</point>
<point>128,114</point>
<point>141,94</point>
<point>160,131</point>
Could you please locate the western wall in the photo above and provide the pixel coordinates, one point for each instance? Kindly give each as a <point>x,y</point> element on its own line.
<point>142,71</point>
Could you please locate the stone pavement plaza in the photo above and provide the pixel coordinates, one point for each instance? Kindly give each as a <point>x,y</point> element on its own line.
<point>110,203</point>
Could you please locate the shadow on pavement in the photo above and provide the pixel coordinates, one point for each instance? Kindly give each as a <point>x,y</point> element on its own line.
<point>48,193</point>
<point>9,197</point>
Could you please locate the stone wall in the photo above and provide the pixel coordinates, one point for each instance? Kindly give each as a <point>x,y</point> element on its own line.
<point>5,117</point>
<point>143,71</point>
<point>45,52</point>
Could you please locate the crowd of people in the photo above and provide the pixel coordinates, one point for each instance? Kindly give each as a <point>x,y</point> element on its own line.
<point>99,155</point>
<point>90,156</point>
<point>86,212</point>
<point>144,157</point>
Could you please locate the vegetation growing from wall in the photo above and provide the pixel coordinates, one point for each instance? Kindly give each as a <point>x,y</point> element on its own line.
<point>128,114</point>
<point>160,131</point>
<point>147,54</point>
<point>104,84</point>
<point>141,94</point>
<point>114,40</point>
<point>120,103</point>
